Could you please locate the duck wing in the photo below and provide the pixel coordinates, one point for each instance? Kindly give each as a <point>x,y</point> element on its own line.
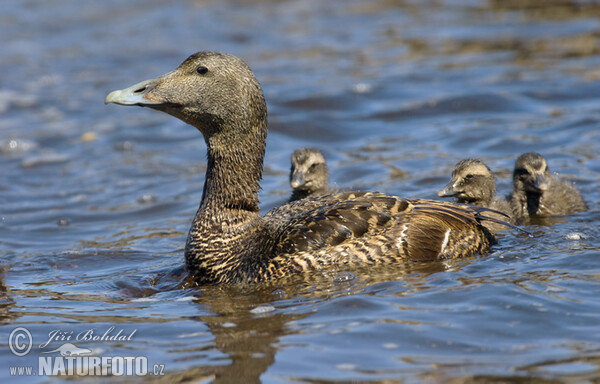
<point>330,220</point>
<point>374,227</point>
<point>442,230</point>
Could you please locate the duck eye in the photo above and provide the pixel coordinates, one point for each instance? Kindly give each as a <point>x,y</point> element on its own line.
<point>312,166</point>
<point>202,70</point>
<point>468,177</point>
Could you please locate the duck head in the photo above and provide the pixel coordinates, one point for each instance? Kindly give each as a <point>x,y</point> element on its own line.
<point>218,94</point>
<point>209,90</point>
<point>531,173</point>
<point>309,171</point>
<point>472,181</point>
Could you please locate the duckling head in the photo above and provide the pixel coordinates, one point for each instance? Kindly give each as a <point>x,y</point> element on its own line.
<point>531,173</point>
<point>472,181</point>
<point>309,171</point>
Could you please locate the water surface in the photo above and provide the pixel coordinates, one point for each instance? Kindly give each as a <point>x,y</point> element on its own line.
<point>95,200</point>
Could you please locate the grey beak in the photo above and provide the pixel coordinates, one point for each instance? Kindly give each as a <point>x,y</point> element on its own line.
<point>447,191</point>
<point>134,95</point>
<point>297,180</point>
<point>540,183</point>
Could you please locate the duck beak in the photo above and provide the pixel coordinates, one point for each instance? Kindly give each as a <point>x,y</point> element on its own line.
<point>447,191</point>
<point>297,180</point>
<point>135,95</point>
<point>540,183</point>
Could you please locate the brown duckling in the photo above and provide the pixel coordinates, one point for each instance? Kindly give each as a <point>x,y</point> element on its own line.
<point>229,242</point>
<point>537,194</point>
<point>309,175</point>
<point>473,183</point>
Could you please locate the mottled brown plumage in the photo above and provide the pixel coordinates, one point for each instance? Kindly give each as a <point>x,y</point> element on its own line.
<point>473,183</point>
<point>309,175</point>
<point>230,242</point>
<point>537,194</point>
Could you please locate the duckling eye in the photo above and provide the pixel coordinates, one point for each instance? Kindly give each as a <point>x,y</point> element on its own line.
<point>521,172</point>
<point>202,70</point>
<point>468,177</point>
<point>312,167</point>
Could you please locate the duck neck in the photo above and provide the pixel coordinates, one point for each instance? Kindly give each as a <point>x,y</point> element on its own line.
<point>228,224</point>
<point>299,194</point>
<point>233,174</point>
<point>527,202</point>
<point>534,200</point>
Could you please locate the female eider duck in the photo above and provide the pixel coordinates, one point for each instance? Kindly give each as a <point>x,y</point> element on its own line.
<point>537,194</point>
<point>309,175</point>
<point>229,242</point>
<point>473,183</point>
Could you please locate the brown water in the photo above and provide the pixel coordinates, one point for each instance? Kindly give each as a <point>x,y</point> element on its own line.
<point>95,200</point>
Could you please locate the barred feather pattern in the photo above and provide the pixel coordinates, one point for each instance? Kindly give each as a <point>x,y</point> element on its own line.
<point>334,230</point>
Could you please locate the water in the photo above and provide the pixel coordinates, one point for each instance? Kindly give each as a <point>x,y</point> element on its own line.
<point>95,200</point>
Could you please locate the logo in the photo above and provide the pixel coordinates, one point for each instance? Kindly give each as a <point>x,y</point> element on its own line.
<point>69,349</point>
<point>72,360</point>
<point>15,343</point>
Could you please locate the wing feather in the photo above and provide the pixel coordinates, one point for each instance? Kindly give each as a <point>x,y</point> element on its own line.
<point>374,223</point>
<point>345,216</point>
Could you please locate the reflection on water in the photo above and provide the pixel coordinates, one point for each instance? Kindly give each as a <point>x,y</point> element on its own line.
<point>95,201</point>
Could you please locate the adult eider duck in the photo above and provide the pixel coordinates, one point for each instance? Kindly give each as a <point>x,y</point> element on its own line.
<point>537,194</point>
<point>309,175</point>
<point>229,242</point>
<point>472,182</point>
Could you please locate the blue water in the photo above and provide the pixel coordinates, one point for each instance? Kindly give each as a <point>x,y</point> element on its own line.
<point>96,201</point>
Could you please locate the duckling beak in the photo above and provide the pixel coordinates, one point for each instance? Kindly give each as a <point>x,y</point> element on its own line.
<point>297,180</point>
<point>447,191</point>
<point>135,95</point>
<point>540,183</point>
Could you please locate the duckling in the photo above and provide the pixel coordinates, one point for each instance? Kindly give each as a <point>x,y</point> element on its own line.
<point>230,242</point>
<point>309,175</point>
<point>537,194</point>
<point>473,183</point>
